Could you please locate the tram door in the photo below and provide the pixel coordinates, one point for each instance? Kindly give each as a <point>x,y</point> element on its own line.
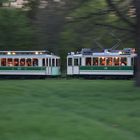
<point>70,66</point>
<point>48,66</point>
<point>76,65</point>
<point>73,65</point>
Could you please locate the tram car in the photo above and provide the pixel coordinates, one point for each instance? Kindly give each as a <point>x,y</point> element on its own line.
<point>109,63</point>
<point>29,63</point>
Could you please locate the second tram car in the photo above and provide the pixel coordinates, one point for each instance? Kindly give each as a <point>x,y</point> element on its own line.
<point>110,63</point>
<point>29,63</point>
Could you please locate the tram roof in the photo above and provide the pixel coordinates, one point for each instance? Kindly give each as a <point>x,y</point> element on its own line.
<point>101,55</point>
<point>27,53</point>
<point>106,52</point>
<point>35,52</point>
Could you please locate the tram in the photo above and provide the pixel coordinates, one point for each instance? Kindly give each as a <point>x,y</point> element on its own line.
<point>109,63</point>
<point>29,63</point>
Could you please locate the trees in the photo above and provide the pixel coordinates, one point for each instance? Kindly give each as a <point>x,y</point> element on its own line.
<point>15,31</point>
<point>137,36</point>
<point>97,19</point>
<point>134,26</point>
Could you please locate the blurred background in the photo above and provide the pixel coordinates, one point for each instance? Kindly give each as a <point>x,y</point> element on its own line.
<point>61,26</point>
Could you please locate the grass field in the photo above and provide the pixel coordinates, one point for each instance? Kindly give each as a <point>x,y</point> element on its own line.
<point>69,110</point>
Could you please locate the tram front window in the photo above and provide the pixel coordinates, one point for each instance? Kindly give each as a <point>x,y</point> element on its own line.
<point>69,61</point>
<point>57,62</point>
<point>53,62</point>
<point>43,61</point>
<point>46,61</point>
<point>75,62</point>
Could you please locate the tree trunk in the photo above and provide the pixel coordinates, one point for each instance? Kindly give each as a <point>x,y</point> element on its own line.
<point>137,76</point>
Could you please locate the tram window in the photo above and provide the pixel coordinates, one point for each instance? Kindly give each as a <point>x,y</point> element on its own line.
<point>80,61</point>
<point>35,62</point>
<point>57,62</point>
<point>28,62</point>
<point>16,62</point>
<point>116,61</point>
<point>109,61</point>
<point>102,61</point>
<point>69,61</point>
<point>46,61</point>
<point>50,62</point>
<point>43,62</point>
<point>22,62</point>
<point>132,61</point>
<point>95,61</point>
<point>88,61</point>
<point>53,62</point>
<point>123,61</point>
<point>10,62</point>
<point>76,62</point>
<point>3,62</point>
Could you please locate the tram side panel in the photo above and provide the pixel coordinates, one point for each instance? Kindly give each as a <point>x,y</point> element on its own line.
<point>107,69</point>
<point>84,68</point>
<point>17,65</point>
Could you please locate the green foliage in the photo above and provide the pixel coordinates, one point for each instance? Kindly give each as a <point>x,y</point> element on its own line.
<point>15,30</point>
<point>31,6</point>
<point>69,110</point>
<point>95,21</point>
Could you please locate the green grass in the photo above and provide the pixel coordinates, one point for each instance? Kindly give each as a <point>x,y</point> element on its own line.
<point>69,110</point>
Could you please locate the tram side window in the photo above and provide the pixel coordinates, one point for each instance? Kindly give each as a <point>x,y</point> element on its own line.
<point>57,62</point>
<point>88,61</point>
<point>50,62</point>
<point>22,62</point>
<point>123,61</point>
<point>10,62</point>
<point>102,61</point>
<point>109,61</point>
<point>80,61</point>
<point>95,61</point>
<point>3,62</point>
<point>76,62</point>
<point>35,62</point>
<point>43,62</point>
<point>46,61</point>
<point>28,62</point>
<point>132,61</point>
<point>69,61</point>
<point>116,61</point>
<point>16,62</point>
<point>53,62</point>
